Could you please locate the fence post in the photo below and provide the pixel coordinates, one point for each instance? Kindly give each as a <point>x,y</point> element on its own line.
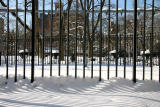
<point>159,64</point>
<point>152,36</point>
<point>60,39</point>
<point>84,40</point>
<point>16,41</point>
<point>24,55</point>
<point>33,35</point>
<point>159,56</point>
<point>109,16</point>
<point>144,39</point>
<point>51,39</point>
<point>76,39</point>
<point>0,58</point>
<point>43,39</point>
<point>68,38</point>
<point>92,36</point>
<point>135,41</point>
<point>117,37</point>
<point>7,37</point>
<point>125,16</point>
<point>100,44</point>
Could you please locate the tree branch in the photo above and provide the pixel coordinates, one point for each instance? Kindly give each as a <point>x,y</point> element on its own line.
<point>14,14</point>
<point>98,17</point>
<point>81,4</point>
<point>69,6</point>
<point>90,3</point>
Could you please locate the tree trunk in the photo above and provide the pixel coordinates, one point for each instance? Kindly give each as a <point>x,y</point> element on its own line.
<point>62,38</point>
<point>89,38</point>
<point>37,32</point>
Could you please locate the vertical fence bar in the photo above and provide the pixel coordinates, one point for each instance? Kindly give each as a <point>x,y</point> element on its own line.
<point>84,40</point>
<point>159,54</point>
<point>0,57</point>
<point>60,34</point>
<point>92,37</point>
<point>68,38</point>
<point>15,79</point>
<point>159,61</point>
<point>38,51</point>
<point>135,41</point>
<point>152,36</point>
<point>109,17</point>
<point>33,35</point>
<point>144,38</point>
<point>7,38</point>
<point>24,48</point>
<point>51,39</point>
<point>43,39</point>
<point>125,16</point>
<point>11,49</point>
<point>100,47</point>
<point>117,35</point>
<point>100,44</point>
<point>76,39</point>
<point>120,46</point>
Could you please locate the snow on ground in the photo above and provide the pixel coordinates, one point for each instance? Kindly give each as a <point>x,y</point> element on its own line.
<point>67,91</point>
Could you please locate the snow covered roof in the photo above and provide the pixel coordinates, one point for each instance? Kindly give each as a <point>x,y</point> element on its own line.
<point>149,9</point>
<point>11,8</point>
<point>139,8</point>
<point>105,9</point>
<point>22,51</point>
<point>146,52</point>
<point>120,9</point>
<point>141,52</point>
<point>53,51</point>
<point>79,51</point>
<point>113,51</point>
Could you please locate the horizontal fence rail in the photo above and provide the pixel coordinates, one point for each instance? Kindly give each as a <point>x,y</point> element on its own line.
<point>63,37</point>
<point>120,10</point>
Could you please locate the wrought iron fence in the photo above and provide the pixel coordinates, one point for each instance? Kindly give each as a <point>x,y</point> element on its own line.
<point>80,33</point>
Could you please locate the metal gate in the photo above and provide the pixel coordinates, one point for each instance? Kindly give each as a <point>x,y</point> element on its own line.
<point>84,33</point>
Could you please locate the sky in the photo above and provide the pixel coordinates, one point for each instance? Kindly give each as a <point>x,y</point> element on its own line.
<point>121,3</point>
<point>48,6</point>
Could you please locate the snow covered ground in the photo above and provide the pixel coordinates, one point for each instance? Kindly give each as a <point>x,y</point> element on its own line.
<point>67,91</point>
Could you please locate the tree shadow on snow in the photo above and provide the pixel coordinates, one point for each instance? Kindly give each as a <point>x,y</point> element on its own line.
<point>14,102</point>
<point>80,86</point>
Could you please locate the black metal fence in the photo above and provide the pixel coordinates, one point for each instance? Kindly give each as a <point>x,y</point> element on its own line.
<point>80,33</point>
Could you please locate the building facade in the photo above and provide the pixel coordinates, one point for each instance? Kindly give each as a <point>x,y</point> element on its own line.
<point>1,26</point>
